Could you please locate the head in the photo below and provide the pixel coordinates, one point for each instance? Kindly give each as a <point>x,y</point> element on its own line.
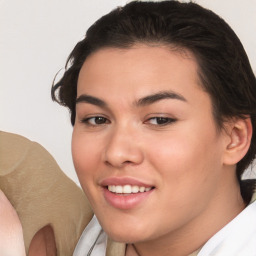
<point>184,29</point>
<point>223,66</point>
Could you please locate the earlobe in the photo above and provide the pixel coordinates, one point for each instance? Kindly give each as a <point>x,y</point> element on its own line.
<point>240,134</point>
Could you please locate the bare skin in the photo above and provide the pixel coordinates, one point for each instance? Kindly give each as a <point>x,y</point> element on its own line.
<point>11,234</point>
<point>43,243</point>
<point>143,118</point>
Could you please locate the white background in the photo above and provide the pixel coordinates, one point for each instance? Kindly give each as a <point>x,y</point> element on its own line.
<point>36,37</point>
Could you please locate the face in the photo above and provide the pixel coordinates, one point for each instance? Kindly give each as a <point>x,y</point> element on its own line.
<point>145,145</point>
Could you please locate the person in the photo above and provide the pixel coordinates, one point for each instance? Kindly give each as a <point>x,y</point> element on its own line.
<point>11,229</point>
<point>42,211</point>
<point>163,103</point>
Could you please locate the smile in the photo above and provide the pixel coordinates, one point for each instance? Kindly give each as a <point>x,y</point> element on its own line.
<point>128,189</point>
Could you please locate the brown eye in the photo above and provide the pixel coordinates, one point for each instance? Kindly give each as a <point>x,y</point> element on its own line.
<point>99,120</point>
<point>161,120</point>
<point>96,120</point>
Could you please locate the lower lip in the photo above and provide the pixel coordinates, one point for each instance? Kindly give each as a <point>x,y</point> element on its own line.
<point>125,201</point>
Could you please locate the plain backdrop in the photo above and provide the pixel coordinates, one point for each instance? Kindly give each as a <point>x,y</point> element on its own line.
<point>36,36</point>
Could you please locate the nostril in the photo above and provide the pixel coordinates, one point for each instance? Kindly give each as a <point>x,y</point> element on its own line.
<point>119,164</point>
<point>121,150</point>
<point>127,162</point>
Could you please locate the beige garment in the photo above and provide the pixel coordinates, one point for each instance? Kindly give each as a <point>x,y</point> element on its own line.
<point>41,193</point>
<point>115,248</point>
<point>253,197</point>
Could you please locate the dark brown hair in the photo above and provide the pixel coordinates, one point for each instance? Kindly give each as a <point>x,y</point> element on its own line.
<point>224,68</point>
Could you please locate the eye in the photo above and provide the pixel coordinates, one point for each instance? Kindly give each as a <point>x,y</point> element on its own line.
<point>95,120</point>
<point>161,121</point>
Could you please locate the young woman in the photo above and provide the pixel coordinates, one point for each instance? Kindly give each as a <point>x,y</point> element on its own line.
<point>163,103</point>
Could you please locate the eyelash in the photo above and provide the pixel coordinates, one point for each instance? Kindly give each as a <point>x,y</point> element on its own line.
<point>161,121</point>
<point>100,120</point>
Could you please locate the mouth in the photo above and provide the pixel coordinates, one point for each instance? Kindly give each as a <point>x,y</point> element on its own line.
<point>127,197</point>
<point>128,189</point>
<point>126,193</point>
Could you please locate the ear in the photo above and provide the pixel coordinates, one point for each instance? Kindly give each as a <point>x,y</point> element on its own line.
<point>239,134</point>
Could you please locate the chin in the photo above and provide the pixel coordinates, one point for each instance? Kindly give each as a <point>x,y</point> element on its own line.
<point>126,227</point>
<point>127,234</point>
<point>125,238</point>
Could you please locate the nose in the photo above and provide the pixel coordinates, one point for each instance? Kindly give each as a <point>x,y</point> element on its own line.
<point>123,148</point>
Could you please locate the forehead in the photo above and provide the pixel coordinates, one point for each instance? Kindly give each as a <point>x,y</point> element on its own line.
<point>139,70</point>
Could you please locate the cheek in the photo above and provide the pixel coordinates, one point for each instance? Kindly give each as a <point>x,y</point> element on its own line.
<point>189,168</point>
<point>85,158</point>
<point>174,151</point>
<point>186,159</point>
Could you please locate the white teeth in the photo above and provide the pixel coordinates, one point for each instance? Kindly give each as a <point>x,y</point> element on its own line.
<point>142,189</point>
<point>135,189</point>
<point>127,189</point>
<point>112,188</point>
<point>119,189</point>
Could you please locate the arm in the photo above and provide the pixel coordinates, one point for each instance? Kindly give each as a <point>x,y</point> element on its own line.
<point>11,236</point>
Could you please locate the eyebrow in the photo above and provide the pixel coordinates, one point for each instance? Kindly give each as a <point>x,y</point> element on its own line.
<point>92,100</point>
<point>147,100</point>
<point>150,99</point>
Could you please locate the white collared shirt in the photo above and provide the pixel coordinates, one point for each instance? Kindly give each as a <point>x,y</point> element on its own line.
<point>93,241</point>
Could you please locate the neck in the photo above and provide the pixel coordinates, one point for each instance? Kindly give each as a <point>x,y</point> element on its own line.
<point>226,204</point>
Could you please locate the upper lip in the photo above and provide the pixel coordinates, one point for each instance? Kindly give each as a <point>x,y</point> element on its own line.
<point>124,181</point>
